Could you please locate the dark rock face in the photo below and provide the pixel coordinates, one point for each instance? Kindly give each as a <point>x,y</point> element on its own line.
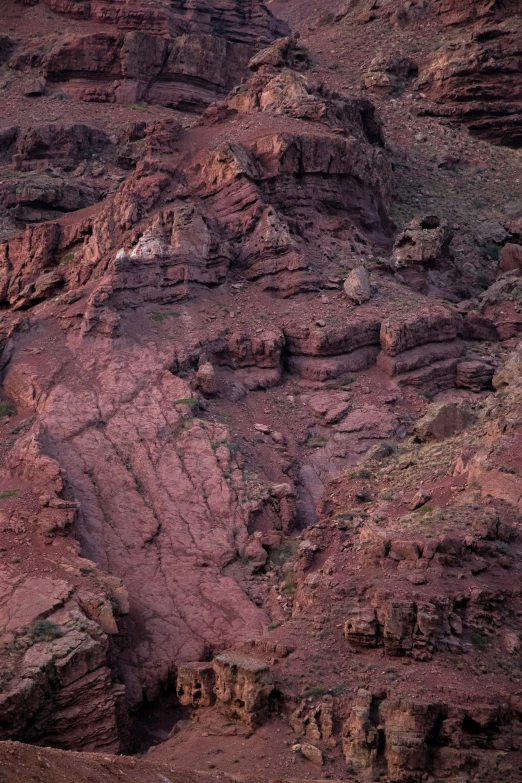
<point>57,143</point>
<point>478,82</point>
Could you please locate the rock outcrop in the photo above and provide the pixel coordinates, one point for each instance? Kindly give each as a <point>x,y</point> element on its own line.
<point>243,686</point>
<point>477,82</point>
<point>176,56</point>
<point>256,438</point>
<point>454,12</point>
<point>58,685</point>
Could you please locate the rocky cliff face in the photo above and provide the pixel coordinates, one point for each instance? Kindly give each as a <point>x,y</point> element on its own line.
<point>179,55</point>
<point>259,417</point>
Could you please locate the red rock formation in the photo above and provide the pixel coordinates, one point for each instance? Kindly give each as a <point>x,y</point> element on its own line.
<point>466,11</point>
<point>242,448</point>
<point>478,83</point>
<point>174,56</point>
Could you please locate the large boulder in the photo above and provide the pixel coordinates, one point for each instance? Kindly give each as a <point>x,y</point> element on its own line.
<point>357,285</point>
<point>444,419</point>
<point>424,241</point>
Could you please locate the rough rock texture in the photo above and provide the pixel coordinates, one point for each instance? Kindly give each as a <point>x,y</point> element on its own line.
<point>243,686</point>
<point>248,523</point>
<point>357,286</point>
<point>424,241</point>
<point>443,419</point>
<point>195,684</point>
<point>389,74</point>
<point>56,673</point>
<point>478,82</point>
<point>173,56</point>
<point>465,11</point>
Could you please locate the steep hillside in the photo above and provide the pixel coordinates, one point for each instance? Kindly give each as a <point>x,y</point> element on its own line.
<point>260,489</point>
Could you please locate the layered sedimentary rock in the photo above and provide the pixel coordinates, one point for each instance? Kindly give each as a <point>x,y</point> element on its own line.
<point>40,197</point>
<point>245,22</point>
<point>320,353</point>
<point>478,82</point>
<point>132,336</point>
<point>186,73</point>
<point>58,685</point>
<point>466,11</point>
<point>407,736</point>
<point>176,56</point>
<point>39,145</point>
<point>435,363</point>
<point>240,203</point>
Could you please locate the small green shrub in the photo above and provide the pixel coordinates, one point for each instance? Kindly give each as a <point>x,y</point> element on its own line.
<point>316,442</point>
<point>190,402</point>
<point>283,553</point>
<point>155,315</point>
<point>314,691</point>
<point>9,493</point>
<point>44,631</point>
<point>339,689</point>
<point>478,640</point>
<point>7,409</point>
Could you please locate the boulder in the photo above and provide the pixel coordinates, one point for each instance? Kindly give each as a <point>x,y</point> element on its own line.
<point>424,241</point>
<point>444,419</point>
<point>255,552</point>
<point>388,74</point>
<point>312,753</point>
<point>34,89</point>
<point>357,286</point>
<point>243,686</point>
<point>206,379</point>
<point>405,550</point>
<point>510,257</point>
<point>420,499</point>
<point>286,52</point>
